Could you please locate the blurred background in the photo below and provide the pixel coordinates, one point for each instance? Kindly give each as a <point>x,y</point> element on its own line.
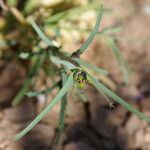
<point>92,125</point>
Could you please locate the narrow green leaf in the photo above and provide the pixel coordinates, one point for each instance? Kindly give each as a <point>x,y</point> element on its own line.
<point>58,97</point>
<point>33,70</point>
<point>67,64</point>
<point>92,35</point>
<point>121,61</point>
<point>61,122</point>
<point>100,87</point>
<point>92,67</point>
<point>110,30</point>
<point>41,34</point>
<point>46,91</point>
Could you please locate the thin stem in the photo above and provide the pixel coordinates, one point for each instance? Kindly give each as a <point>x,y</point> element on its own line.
<point>33,70</point>
<point>62,112</point>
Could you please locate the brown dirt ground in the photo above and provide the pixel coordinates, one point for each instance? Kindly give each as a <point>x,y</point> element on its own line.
<point>91,126</point>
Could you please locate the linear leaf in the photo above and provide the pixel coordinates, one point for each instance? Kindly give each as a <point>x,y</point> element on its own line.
<point>46,91</point>
<point>92,35</point>
<point>67,64</point>
<point>58,97</point>
<point>110,30</point>
<point>61,122</point>
<point>102,88</point>
<point>121,61</point>
<point>33,70</point>
<point>92,67</point>
<point>41,34</point>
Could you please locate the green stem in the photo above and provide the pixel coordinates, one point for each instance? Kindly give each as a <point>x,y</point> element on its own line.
<point>33,70</point>
<point>62,111</point>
